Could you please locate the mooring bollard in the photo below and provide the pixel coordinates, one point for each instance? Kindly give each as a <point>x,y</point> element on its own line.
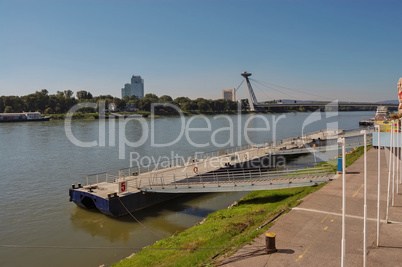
<point>73,186</point>
<point>270,243</point>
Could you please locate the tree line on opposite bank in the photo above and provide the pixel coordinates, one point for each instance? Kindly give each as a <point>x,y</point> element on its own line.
<point>62,102</point>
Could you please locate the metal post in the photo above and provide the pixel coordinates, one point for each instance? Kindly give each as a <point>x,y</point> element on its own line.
<point>393,165</point>
<point>365,200</point>
<point>342,141</point>
<point>398,150</point>
<point>389,171</point>
<point>400,162</point>
<point>378,185</point>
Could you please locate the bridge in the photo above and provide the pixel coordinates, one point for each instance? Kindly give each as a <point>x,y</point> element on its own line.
<point>255,105</point>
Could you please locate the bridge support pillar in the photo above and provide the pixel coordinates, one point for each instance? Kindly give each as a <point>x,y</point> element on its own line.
<point>252,100</point>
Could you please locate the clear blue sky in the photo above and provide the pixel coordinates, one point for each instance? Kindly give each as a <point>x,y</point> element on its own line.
<point>349,50</point>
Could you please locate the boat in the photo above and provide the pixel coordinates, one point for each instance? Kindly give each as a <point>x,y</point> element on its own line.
<point>383,119</point>
<point>367,122</point>
<point>22,116</point>
<point>382,113</point>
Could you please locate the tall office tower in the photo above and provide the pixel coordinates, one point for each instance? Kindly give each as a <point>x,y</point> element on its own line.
<point>229,94</point>
<point>137,86</point>
<point>126,91</point>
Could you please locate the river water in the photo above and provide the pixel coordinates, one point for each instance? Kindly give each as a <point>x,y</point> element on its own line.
<point>38,163</point>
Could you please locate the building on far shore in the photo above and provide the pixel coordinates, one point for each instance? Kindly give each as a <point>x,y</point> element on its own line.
<point>136,87</point>
<point>229,94</point>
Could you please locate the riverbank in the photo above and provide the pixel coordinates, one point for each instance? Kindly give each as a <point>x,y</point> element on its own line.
<point>166,113</point>
<point>224,231</point>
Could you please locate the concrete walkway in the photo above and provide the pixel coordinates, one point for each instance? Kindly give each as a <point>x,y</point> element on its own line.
<point>310,235</point>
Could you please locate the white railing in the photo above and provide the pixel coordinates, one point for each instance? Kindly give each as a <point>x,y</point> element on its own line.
<point>235,176</point>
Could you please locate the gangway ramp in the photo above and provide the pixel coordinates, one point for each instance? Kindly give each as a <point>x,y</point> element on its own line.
<point>312,150</point>
<point>233,180</point>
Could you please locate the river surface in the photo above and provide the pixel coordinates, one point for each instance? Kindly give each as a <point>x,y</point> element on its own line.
<point>38,163</point>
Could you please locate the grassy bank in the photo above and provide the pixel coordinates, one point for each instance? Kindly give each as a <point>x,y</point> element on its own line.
<point>229,228</point>
<point>351,157</point>
<point>77,115</point>
<point>223,231</point>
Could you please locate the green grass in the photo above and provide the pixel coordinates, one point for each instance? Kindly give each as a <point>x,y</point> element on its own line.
<point>351,157</point>
<point>77,115</point>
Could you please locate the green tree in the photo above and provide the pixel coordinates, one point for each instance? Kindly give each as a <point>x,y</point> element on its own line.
<point>1,104</point>
<point>152,98</point>
<point>68,94</point>
<point>120,103</point>
<point>144,104</point>
<point>84,95</point>
<point>165,99</point>
<point>204,105</point>
<point>218,105</point>
<point>244,104</point>
<point>8,109</point>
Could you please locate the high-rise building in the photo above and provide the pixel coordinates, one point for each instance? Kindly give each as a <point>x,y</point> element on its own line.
<point>126,91</point>
<point>229,94</point>
<point>136,87</point>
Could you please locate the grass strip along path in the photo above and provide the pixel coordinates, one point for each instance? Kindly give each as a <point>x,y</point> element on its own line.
<point>223,231</point>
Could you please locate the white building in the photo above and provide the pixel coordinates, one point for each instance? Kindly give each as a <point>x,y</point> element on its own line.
<point>229,94</point>
<point>136,87</point>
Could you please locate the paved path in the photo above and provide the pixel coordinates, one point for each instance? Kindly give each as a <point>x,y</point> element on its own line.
<point>310,235</point>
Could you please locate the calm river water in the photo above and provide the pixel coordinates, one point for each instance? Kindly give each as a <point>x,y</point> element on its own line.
<point>38,163</point>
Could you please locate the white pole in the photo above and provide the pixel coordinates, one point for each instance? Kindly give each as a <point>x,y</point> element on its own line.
<point>342,140</point>
<point>389,171</point>
<point>365,200</point>
<point>397,155</point>
<point>394,153</point>
<point>378,184</point>
<point>400,161</point>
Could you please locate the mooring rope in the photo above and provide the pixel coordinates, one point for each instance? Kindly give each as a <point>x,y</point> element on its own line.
<point>159,236</point>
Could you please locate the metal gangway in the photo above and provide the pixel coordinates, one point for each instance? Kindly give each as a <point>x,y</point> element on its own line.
<point>315,149</point>
<point>230,180</point>
<point>203,170</point>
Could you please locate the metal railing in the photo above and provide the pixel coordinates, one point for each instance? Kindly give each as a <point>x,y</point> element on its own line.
<point>252,150</point>
<point>97,178</point>
<point>235,177</point>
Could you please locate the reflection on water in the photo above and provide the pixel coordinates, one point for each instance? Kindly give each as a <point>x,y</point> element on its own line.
<point>166,218</point>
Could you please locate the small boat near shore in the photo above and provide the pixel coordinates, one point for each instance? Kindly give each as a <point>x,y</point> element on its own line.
<point>23,116</point>
<point>367,122</point>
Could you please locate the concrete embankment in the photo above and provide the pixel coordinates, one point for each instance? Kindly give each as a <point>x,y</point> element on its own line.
<point>310,234</point>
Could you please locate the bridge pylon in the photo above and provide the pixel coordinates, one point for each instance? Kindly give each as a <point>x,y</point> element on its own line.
<point>252,100</point>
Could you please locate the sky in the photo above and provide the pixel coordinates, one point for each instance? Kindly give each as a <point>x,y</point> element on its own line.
<point>345,50</point>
